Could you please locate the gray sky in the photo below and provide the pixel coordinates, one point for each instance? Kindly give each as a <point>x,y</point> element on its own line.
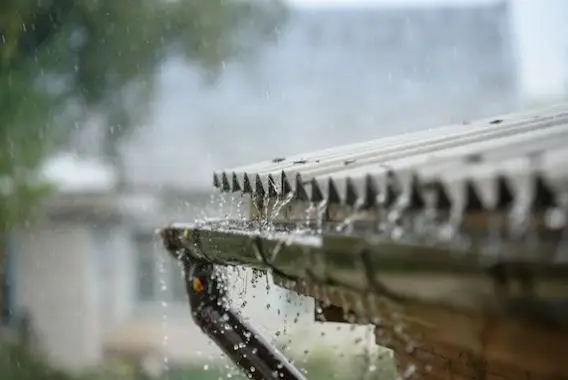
<point>332,78</point>
<point>340,76</point>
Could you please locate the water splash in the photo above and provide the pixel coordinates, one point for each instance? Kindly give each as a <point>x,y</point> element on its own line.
<point>258,206</point>
<point>395,217</point>
<point>274,213</point>
<point>289,335</point>
<point>280,205</point>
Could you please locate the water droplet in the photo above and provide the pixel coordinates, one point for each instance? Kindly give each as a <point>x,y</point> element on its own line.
<point>409,371</point>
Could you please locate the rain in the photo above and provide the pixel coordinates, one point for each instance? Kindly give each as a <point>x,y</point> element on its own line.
<point>292,189</point>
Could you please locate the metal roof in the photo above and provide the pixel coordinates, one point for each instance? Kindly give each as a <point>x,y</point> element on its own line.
<point>487,163</point>
<point>510,168</point>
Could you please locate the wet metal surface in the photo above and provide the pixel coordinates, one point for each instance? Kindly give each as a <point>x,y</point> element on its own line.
<point>491,162</point>
<point>470,216</point>
<point>399,271</point>
<point>452,231</point>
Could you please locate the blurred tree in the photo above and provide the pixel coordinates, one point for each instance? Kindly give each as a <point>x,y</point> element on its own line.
<point>62,61</point>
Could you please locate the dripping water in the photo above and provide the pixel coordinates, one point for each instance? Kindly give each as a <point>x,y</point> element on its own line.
<point>308,215</point>
<point>369,351</point>
<point>265,215</point>
<point>348,223</point>
<point>285,336</point>
<point>211,210</point>
<point>494,241</point>
<point>277,208</point>
<point>241,215</point>
<point>163,291</point>
<point>234,208</point>
<point>452,230</point>
<point>321,209</point>
<point>258,205</point>
<point>395,216</point>
<point>557,219</point>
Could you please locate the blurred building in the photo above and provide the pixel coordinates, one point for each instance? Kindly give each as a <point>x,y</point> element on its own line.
<point>332,76</point>
<point>541,38</point>
<point>92,278</point>
<point>90,273</point>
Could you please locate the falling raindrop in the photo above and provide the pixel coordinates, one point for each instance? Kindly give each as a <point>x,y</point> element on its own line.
<point>348,223</point>
<point>163,291</point>
<point>320,215</point>
<point>279,206</point>
<point>409,371</point>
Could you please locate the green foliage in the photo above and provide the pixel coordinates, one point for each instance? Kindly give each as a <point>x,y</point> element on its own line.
<point>63,60</point>
<point>314,368</point>
<point>17,363</point>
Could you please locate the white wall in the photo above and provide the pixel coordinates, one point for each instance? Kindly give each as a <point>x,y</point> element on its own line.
<point>77,281</point>
<point>54,284</point>
<point>111,252</point>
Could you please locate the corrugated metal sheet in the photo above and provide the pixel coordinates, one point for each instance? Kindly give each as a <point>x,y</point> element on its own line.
<point>516,165</point>
<point>488,164</point>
